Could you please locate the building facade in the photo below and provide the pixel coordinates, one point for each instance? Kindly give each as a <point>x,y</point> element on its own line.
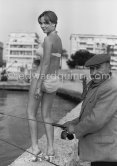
<point>21,50</point>
<point>98,44</point>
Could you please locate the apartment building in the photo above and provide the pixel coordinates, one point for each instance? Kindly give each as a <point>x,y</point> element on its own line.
<point>21,50</point>
<point>95,44</point>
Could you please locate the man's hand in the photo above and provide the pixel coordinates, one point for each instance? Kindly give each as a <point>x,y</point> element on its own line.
<point>69,127</point>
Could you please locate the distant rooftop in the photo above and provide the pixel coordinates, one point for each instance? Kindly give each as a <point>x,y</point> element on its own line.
<point>93,35</point>
<point>23,34</point>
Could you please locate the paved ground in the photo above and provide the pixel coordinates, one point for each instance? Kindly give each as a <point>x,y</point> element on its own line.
<point>72,85</point>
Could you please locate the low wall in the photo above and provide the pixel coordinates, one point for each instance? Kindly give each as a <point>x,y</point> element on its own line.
<point>14,85</point>
<point>66,89</point>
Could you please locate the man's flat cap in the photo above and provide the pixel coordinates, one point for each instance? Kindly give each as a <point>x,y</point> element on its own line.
<point>97,60</point>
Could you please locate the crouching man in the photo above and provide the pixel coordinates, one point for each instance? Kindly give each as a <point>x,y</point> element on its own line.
<point>96,127</point>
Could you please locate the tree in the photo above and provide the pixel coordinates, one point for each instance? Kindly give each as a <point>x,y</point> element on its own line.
<point>79,58</point>
<point>2,63</point>
<point>64,53</point>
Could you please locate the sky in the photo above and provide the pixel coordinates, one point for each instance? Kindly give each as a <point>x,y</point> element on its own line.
<point>74,17</point>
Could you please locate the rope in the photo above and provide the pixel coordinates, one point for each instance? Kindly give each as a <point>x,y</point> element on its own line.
<point>25,150</point>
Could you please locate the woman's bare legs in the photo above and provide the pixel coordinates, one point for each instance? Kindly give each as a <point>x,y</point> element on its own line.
<point>32,108</point>
<point>46,104</point>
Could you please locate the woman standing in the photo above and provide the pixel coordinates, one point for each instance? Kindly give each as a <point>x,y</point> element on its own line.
<point>44,88</point>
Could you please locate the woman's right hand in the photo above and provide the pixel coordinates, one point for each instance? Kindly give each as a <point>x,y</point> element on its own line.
<point>38,93</point>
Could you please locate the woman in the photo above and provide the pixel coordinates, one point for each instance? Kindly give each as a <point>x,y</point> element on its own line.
<point>44,88</point>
